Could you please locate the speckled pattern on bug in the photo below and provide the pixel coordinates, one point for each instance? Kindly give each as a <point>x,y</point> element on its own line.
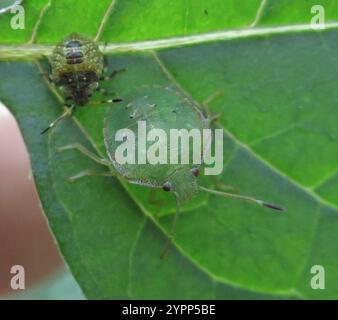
<point>77,67</point>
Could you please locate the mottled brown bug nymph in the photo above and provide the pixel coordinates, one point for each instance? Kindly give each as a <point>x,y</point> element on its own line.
<point>77,66</point>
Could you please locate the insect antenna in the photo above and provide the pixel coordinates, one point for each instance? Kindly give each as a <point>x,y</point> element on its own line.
<point>172,232</point>
<point>68,112</point>
<point>245,198</point>
<point>115,100</point>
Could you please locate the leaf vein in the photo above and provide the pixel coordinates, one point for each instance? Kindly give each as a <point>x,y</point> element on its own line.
<point>131,255</point>
<point>321,183</point>
<point>259,13</point>
<point>273,135</point>
<point>38,22</point>
<point>105,19</point>
<point>34,51</point>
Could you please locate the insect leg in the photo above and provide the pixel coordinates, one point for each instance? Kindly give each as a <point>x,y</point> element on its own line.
<point>113,74</point>
<point>112,101</point>
<point>86,152</point>
<point>68,112</point>
<point>104,91</point>
<point>86,173</point>
<point>221,186</point>
<point>225,187</point>
<point>245,198</point>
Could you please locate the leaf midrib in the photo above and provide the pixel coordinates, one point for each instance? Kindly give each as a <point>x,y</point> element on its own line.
<point>33,51</point>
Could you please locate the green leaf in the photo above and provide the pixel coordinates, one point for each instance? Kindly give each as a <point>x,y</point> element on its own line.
<point>278,105</point>
<point>127,20</point>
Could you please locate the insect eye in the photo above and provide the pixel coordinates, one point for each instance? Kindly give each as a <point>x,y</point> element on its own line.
<point>195,172</point>
<point>167,186</point>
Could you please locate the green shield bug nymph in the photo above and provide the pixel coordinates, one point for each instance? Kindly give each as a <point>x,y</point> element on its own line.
<point>167,109</point>
<point>77,67</point>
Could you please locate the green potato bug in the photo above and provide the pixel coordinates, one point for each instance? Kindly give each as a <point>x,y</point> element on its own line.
<point>164,108</point>
<point>77,66</point>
